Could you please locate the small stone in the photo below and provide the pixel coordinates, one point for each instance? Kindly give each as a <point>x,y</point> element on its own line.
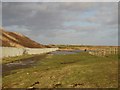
<point>58,84</point>
<point>22,83</point>
<point>71,85</point>
<point>53,77</point>
<point>27,73</point>
<point>30,87</point>
<point>35,83</point>
<point>35,72</point>
<point>77,84</point>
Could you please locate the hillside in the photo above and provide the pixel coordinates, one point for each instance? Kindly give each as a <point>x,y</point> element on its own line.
<point>13,39</point>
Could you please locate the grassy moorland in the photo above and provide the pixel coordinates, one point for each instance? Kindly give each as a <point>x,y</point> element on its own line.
<point>81,47</point>
<point>79,70</point>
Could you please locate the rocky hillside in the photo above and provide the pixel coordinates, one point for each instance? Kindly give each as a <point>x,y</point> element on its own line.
<point>13,39</point>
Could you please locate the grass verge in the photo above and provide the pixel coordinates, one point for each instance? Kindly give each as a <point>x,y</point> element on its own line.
<point>16,58</point>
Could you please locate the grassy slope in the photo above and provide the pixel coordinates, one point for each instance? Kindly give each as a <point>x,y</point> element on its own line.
<point>18,40</point>
<point>76,71</point>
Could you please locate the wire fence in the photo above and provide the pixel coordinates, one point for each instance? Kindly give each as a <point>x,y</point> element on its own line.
<point>104,51</point>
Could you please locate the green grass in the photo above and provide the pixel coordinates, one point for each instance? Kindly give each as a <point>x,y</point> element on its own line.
<point>67,71</point>
<point>16,58</point>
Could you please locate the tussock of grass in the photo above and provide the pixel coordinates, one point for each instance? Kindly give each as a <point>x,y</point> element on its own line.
<point>67,71</point>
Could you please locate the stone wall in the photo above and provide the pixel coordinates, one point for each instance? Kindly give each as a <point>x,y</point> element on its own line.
<point>11,51</point>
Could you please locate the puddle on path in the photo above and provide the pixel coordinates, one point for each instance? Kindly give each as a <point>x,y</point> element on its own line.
<point>20,64</point>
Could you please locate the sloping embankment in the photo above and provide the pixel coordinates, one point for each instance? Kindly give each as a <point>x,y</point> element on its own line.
<point>11,51</point>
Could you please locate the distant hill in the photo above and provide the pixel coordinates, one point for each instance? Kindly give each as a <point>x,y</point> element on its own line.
<point>14,39</point>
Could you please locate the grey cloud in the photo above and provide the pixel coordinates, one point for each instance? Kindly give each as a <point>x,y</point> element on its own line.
<point>105,15</point>
<point>44,22</point>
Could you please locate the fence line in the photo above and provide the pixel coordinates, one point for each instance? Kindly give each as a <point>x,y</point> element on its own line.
<point>104,51</point>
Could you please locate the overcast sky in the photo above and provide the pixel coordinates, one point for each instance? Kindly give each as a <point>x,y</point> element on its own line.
<point>63,23</point>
